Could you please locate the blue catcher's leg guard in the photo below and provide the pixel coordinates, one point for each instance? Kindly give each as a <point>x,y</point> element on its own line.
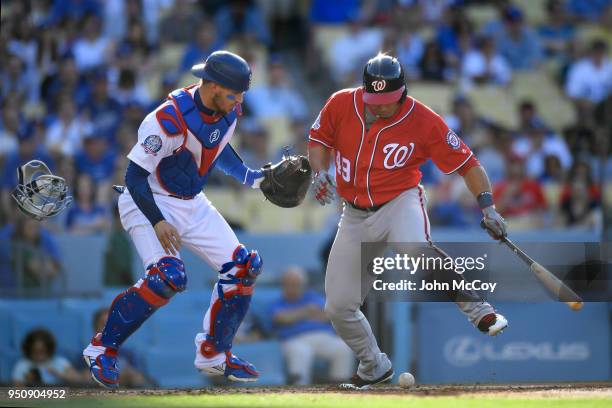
<point>229,310</point>
<point>127,313</point>
<point>131,308</point>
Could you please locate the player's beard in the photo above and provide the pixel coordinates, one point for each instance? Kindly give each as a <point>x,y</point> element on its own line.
<point>219,101</point>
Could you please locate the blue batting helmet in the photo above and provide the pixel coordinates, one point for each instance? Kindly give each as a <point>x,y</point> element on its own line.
<point>226,69</point>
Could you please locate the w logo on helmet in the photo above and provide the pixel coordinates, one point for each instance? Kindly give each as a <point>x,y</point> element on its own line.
<point>379,85</point>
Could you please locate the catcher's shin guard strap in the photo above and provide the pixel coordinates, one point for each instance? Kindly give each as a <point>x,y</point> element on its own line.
<point>133,307</point>
<point>229,309</point>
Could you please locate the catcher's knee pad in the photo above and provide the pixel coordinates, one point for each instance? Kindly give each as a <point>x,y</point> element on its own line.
<point>166,277</point>
<point>229,309</point>
<point>131,308</point>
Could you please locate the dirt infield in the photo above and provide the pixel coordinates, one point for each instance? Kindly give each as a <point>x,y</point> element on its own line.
<point>563,390</point>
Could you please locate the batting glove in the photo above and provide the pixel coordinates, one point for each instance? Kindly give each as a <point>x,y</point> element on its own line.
<point>324,188</point>
<point>493,223</point>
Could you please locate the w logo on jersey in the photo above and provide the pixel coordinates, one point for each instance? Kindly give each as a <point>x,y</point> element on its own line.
<point>396,155</point>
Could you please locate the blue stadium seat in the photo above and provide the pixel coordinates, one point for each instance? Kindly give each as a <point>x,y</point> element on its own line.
<point>30,305</point>
<point>6,328</point>
<point>175,330</point>
<point>172,367</point>
<point>8,358</point>
<point>66,327</point>
<point>84,308</point>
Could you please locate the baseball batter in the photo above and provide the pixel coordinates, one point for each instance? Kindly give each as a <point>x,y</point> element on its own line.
<point>164,208</point>
<point>378,137</point>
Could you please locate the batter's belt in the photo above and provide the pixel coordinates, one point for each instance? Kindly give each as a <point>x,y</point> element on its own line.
<point>366,209</point>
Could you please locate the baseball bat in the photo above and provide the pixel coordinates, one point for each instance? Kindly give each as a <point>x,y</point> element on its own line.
<point>553,284</point>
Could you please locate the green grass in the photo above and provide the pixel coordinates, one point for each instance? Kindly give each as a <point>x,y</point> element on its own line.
<point>335,400</point>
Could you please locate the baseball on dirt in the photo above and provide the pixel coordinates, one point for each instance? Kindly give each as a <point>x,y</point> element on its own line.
<point>406,380</point>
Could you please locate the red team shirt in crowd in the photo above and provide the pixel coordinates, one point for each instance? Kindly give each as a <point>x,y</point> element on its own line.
<point>375,166</point>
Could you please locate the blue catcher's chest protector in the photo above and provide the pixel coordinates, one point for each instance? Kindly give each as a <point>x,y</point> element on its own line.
<point>179,174</point>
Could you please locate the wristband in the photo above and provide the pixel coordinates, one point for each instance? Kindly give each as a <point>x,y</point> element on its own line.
<point>485,199</point>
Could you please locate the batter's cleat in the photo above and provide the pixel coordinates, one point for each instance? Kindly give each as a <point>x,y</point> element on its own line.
<point>358,383</point>
<point>102,363</point>
<point>234,368</point>
<point>492,324</point>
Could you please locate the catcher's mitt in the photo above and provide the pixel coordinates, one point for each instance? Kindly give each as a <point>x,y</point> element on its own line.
<point>286,182</point>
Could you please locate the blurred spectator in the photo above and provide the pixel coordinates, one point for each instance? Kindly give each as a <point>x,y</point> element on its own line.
<point>130,88</point>
<point>40,366</point>
<point>454,35</point>
<point>305,331</point>
<point>529,117</point>
<point>31,253</point>
<point>351,51</point>
<point>410,48</point>
<point>16,84</point>
<point>74,9</point>
<point>484,65</point>
<point>432,11</point>
<point>180,23</point>
<point>23,43</point>
<point>432,66</point>
<point>589,80</point>
<point>298,143</point>
<point>466,122</point>
<point>102,109</point>
<point>278,98</point>
<point>536,146</point>
<point>242,18</point>
<point>118,15</point>
<point>135,44</point>
<point>580,197</point>
<point>95,159</point>
<point>12,120</point>
<point>557,31</point>
<point>496,146</point>
<point>85,215</point>
<point>326,12</point>
<point>254,143</point>
<point>454,205</point>
<point>131,376</point>
<point>520,197</point>
<point>65,132</point>
<point>204,43</point>
<point>587,10</point>
<point>118,256</point>
<point>91,48</point>
<point>66,81</point>
<point>48,52</point>
<point>516,41</point>
<point>28,149</point>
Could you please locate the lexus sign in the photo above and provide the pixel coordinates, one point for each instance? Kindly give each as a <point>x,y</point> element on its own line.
<point>465,351</point>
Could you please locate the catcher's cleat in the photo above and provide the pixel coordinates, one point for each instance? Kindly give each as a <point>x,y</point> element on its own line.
<point>492,324</point>
<point>358,383</point>
<point>234,368</point>
<point>102,363</point>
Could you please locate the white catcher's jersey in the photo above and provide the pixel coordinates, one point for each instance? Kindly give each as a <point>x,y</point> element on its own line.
<point>154,145</point>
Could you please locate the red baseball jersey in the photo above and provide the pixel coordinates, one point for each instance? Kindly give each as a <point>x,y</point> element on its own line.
<point>375,166</point>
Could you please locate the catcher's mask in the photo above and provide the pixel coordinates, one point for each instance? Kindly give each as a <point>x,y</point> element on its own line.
<point>39,193</point>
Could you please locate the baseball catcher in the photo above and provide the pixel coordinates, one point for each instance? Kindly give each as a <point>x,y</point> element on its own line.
<point>286,182</point>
